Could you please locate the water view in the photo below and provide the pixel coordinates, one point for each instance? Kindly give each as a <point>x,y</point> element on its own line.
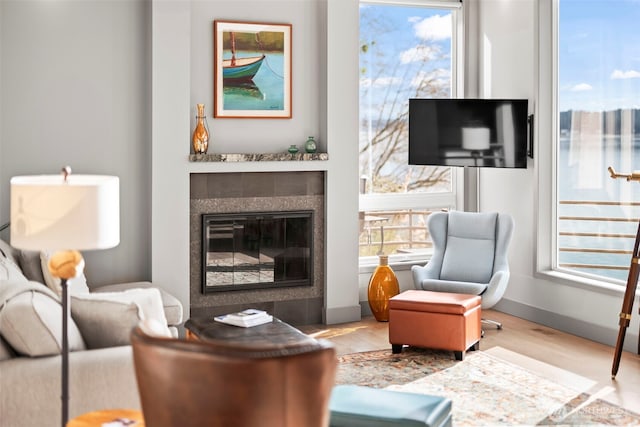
<point>264,92</point>
<point>586,190</point>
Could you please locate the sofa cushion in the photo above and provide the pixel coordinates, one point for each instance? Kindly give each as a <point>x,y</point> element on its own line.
<point>106,319</point>
<point>470,247</point>
<point>77,285</point>
<point>172,306</point>
<point>31,322</point>
<point>6,352</point>
<point>8,251</point>
<point>10,271</point>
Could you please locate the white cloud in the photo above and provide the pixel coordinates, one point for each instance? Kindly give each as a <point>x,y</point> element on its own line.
<point>433,28</point>
<point>379,82</point>
<point>629,74</point>
<point>439,77</point>
<point>581,87</point>
<point>419,53</point>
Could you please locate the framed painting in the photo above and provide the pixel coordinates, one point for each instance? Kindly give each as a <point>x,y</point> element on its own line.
<point>252,70</point>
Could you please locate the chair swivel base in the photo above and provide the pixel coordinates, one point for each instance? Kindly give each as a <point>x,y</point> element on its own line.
<point>495,323</point>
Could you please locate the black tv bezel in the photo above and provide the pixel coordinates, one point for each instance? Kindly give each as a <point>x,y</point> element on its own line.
<point>527,132</point>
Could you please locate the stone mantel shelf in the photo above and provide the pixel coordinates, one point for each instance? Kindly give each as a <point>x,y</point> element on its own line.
<point>267,157</point>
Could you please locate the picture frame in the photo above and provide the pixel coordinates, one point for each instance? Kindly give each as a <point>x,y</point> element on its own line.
<point>252,70</point>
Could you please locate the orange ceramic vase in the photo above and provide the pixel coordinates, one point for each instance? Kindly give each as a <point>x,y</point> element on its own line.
<point>382,286</point>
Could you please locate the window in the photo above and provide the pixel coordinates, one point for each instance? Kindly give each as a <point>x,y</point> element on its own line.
<point>407,50</point>
<point>598,125</point>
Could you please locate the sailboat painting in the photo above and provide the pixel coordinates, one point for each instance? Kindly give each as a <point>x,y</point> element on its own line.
<point>252,70</point>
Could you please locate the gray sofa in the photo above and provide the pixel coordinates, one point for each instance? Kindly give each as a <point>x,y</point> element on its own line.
<point>100,363</point>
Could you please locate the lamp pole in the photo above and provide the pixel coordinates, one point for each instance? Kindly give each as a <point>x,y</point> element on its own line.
<point>65,352</point>
<point>65,265</point>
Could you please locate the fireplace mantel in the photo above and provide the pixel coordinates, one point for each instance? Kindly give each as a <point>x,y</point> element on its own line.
<point>257,157</point>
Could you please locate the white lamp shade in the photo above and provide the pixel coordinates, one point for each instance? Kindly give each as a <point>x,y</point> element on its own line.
<point>49,213</point>
<point>475,138</point>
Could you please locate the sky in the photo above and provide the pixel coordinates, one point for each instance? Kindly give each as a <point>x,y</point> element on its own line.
<point>599,54</point>
<point>403,37</point>
<point>598,46</point>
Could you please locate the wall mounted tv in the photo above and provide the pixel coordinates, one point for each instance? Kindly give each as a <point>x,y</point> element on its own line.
<point>468,132</point>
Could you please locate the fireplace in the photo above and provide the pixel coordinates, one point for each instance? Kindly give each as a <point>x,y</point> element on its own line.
<point>297,294</point>
<point>256,250</point>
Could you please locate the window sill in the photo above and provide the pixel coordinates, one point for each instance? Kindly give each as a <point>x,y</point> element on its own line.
<point>399,262</point>
<point>573,280</point>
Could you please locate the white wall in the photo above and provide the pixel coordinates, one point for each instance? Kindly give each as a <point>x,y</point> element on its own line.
<point>323,106</point>
<point>309,71</point>
<point>514,64</point>
<point>4,208</point>
<point>74,80</point>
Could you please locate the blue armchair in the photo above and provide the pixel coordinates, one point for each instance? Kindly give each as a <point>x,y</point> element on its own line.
<point>469,256</point>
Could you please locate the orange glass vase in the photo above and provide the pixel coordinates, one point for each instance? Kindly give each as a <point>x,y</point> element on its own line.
<point>200,138</point>
<point>382,286</point>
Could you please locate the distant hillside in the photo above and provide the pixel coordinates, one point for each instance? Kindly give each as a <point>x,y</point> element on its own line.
<point>611,120</point>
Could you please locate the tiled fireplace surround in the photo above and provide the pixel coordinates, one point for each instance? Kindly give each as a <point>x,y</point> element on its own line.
<point>239,192</point>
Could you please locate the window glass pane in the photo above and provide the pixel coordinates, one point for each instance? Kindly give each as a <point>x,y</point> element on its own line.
<point>405,52</point>
<point>599,126</point>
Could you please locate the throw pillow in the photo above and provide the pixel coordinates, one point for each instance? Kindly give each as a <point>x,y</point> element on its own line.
<point>31,322</point>
<point>104,323</point>
<point>31,265</point>
<point>106,319</point>
<point>77,285</point>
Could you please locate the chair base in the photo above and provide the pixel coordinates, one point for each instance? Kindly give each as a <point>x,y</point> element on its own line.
<point>495,323</point>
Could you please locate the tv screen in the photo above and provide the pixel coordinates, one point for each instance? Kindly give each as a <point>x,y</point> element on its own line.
<point>468,132</point>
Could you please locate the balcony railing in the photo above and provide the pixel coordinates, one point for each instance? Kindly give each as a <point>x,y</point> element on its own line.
<point>594,237</point>
<point>398,231</point>
<point>597,236</point>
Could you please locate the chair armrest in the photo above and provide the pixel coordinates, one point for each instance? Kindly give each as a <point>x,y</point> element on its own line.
<point>496,288</point>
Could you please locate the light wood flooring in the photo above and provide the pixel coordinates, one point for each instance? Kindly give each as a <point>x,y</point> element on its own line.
<point>568,352</point>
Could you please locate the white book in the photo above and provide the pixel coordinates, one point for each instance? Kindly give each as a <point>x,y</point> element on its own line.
<point>245,318</point>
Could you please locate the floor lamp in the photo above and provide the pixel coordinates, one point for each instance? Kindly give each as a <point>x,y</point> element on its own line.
<point>54,212</point>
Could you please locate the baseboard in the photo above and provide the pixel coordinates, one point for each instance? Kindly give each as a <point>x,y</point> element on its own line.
<point>365,309</point>
<point>332,316</point>
<point>569,325</point>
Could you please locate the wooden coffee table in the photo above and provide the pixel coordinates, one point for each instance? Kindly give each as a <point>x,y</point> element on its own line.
<point>272,335</point>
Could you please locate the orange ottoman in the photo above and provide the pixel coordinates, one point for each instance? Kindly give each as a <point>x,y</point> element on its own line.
<point>439,320</point>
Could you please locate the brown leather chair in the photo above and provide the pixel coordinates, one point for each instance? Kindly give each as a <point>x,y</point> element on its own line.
<point>202,384</point>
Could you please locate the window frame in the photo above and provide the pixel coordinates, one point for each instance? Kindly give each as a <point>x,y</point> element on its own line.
<point>454,198</point>
<point>546,128</point>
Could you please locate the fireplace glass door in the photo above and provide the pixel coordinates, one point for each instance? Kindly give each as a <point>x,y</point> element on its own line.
<point>256,250</point>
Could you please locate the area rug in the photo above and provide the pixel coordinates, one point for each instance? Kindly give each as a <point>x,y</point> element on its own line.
<point>485,390</point>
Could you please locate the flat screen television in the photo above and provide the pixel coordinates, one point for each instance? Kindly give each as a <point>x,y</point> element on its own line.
<point>468,132</point>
